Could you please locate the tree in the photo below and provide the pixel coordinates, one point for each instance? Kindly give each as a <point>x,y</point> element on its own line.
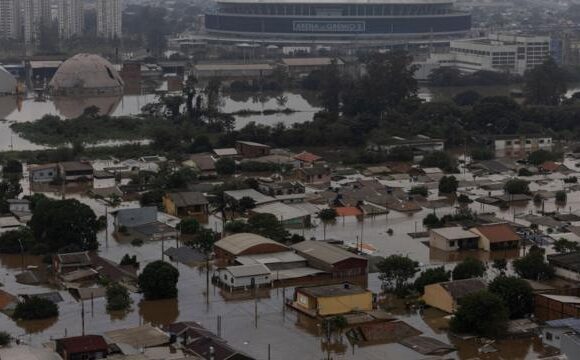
<point>118,298</point>
<point>419,190</point>
<point>327,216</point>
<point>481,313</point>
<point>539,157</point>
<point>431,276</point>
<point>516,293</point>
<point>517,186</point>
<point>35,308</point>
<point>468,268</point>
<point>448,185</point>
<point>533,267</point>
<point>467,98</point>
<point>431,221</point>
<point>561,196</point>
<point>5,338</point>
<point>60,223</point>
<point>545,84</point>
<point>562,246</point>
<point>395,271</point>
<point>225,166</point>
<point>159,281</point>
<point>189,226</point>
<point>246,203</point>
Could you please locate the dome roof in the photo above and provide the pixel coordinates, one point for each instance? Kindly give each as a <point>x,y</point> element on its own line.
<point>85,74</point>
<point>8,83</point>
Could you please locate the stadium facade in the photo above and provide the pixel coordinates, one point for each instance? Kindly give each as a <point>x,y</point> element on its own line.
<point>336,20</point>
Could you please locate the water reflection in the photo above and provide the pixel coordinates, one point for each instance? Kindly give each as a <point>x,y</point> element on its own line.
<point>159,312</point>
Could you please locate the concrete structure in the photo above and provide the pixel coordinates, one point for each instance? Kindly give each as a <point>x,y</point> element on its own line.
<point>188,204</point>
<point>75,171</point>
<point>109,19</point>
<point>332,259</point>
<point>70,18</point>
<point>8,84</point>
<point>566,265</point>
<point>9,20</point>
<point>452,239</point>
<point>250,149</point>
<point>228,248</point>
<point>82,347</point>
<point>335,21</point>
<point>86,74</point>
<point>554,330</point>
<point>499,236</point>
<point>446,295</point>
<point>36,16</point>
<point>245,276</point>
<point>232,71</point>
<point>498,53</point>
<point>43,173</point>
<point>520,146</point>
<point>331,300</point>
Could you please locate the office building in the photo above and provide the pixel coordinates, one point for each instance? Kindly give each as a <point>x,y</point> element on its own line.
<point>498,53</point>
<point>36,16</point>
<point>70,18</point>
<point>9,19</point>
<point>109,19</point>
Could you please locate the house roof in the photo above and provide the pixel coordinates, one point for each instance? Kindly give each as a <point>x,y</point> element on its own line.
<point>226,152</point>
<point>83,344</point>
<point>460,288</point>
<point>282,211</point>
<point>188,198</point>
<point>325,252</point>
<point>498,232</point>
<point>332,290</point>
<point>258,197</point>
<point>454,233</point>
<point>238,243</point>
<point>74,258</point>
<point>570,261</point>
<point>251,143</point>
<point>248,270</point>
<point>76,166</point>
<point>305,156</point>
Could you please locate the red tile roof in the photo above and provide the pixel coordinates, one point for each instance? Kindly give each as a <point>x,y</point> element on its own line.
<point>498,232</point>
<point>83,344</point>
<point>305,156</point>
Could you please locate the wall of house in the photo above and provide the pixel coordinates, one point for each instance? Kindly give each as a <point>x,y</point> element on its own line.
<point>344,304</point>
<point>436,296</point>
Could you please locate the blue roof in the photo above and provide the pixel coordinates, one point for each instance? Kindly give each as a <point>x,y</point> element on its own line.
<point>572,323</point>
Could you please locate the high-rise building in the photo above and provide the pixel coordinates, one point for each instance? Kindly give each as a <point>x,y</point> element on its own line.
<point>9,19</point>
<point>109,19</point>
<point>70,18</point>
<point>37,14</point>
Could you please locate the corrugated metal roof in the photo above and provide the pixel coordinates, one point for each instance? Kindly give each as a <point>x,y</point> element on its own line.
<point>238,243</point>
<point>326,252</point>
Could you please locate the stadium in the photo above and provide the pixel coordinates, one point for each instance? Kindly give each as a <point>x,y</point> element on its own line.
<point>336,20</point>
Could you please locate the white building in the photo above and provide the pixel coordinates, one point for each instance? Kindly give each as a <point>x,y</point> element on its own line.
<point>500,53</point>
<point>70,18</point>
<point>9,19</point>
<point>109,19</point>
<point>36,15</point>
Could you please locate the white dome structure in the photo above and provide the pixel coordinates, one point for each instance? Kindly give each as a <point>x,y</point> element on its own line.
<point>8,84</point>
<point>86,74</point>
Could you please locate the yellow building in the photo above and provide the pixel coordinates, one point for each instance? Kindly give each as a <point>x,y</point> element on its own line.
<point>333,299</point>
<point>446,295</point>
